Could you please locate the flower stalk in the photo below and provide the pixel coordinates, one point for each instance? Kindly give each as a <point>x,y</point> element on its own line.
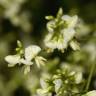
<point>90,77</point>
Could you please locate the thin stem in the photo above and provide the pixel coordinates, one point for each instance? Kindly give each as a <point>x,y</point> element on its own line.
<point>90,77</point>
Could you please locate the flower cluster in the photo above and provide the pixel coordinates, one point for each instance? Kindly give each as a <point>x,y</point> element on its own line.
<point>26,57</point>
<point>61,31</point>
<point>63,83</point>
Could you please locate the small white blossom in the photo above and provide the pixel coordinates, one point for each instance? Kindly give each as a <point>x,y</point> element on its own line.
<point>31,53</point>
<point>61,31</point>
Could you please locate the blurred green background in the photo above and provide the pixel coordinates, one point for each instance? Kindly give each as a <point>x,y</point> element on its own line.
<point>24,20</point>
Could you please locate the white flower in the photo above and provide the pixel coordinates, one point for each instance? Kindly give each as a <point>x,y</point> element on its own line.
<point>71,21</point>
<point>12,60</point>
<point>30,53</point>
<point>59,41</point>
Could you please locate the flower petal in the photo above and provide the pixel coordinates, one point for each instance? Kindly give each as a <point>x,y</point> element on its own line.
<point>71,21</point>
<point>31,52</point>
<point>12,59</point>
<point>50,25</point>
<point>58,84</point>
<point>68,34</point>
<point>40,61</point>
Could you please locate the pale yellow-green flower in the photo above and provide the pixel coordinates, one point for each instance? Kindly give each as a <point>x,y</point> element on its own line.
<point>27,58</point>
<point>31,53</point>
<point>61,31</point>
<point>59,41</point>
